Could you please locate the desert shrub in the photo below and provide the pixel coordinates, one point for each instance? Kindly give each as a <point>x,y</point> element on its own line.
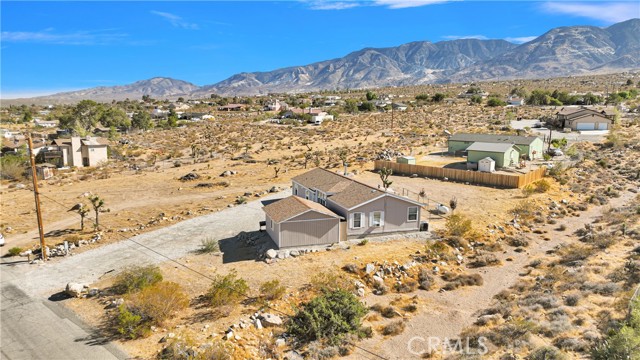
<point>386,311</point>
<point>572,299</point>
<point>513,333</point>
<point>13,167</point>
<point>329,316</point>
<point>328,281</point>
<point>622,342</point>
<point>517,241</point>
<point>226,290</point>
<point>456,281</point>
<point>458,225</point>
<point>542,186</point>
<point>425,279</point>
<point>183,350</point>
<point>605,289</point>
<point>208,246</point>
<point>547,301</point>
<point>525,210</point>
<point>406,286</point>
<point>14,251</point>
<point>318,350</point>
<point>241,200</point>
<point>272,290</point>
<point>410,307</point>
<point>380,288</point>
<point>151,306</point>
<point>570,344</point>
<point>136,278</point>
<point>363,242</point>
<point>546,353</point>
<point>393,328</point>
<point>557,170</point>
<point>483,260</point>
<point>574,254</point>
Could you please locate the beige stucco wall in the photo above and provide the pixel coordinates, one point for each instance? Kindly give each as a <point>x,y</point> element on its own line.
<point>309,232</point>
<point>96,154</point>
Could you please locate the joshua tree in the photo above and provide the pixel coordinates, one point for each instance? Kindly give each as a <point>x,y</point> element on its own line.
<point>276,170</point>
<point>98,206</point>
<point>83,211</point>
<point>384,176</point>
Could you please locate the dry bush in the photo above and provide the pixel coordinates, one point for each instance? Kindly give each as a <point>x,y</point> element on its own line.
<point>226,290</point>
<point>546,353</point>
<point>456,281</point>
<point>425,279</point>
<point>330,281</point>
<point>517,241</point>
<point>351,268</point>
<point>136,278</point>
<point>272,290</point>
<point>393,328</point>
<point>482,260</point>
<point>574,255</point>
<point>386,311</point>
<point>406,286</point>
<point>458,225</point>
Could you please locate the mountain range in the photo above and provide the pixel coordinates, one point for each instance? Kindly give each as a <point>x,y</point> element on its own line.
<point>563,51</point>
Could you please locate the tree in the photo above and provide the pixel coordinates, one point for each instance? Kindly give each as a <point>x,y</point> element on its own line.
<point>559,143</point>
<point>476,99</point>
<point>180,99</point>
<point>621,343</point>
<point>371,96</point>
<point>115,117</point>
<point>423,97</point>
<point>493,102</point>
<point>82,117</point>
<point>98,206</point>
<point>438,97</point>
<point>453,204</point>
<point>27,116</point>
<point>83,211</point>
<point>629,82</point>
<point>172,119</point>
<point>367,106</point>
<point>141,120</point>
<point>384,177</point>
<point>351,106</point>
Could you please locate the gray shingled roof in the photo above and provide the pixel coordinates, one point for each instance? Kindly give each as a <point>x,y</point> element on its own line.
<point>323,180</point>
<point>292,206</point>
<point>490,147</point>
<point>492,138</point>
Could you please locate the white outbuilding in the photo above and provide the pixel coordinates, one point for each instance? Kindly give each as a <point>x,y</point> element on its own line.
<point>487,165</point>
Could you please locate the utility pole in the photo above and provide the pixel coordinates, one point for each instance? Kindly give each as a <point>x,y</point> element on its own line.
<point>36,193</point>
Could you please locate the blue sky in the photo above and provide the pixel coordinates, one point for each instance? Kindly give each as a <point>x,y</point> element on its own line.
<point>54,46</point>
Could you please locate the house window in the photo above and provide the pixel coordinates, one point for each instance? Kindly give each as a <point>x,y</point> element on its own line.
<point>357,220</point>
<point>412,213</point>
<point>271,224</point>
<point>295,190</point>
<point>377,218</point>
<point>307,194</point>
<point>322,198</point>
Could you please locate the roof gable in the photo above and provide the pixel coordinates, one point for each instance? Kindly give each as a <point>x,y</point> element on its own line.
<point>292,206</point>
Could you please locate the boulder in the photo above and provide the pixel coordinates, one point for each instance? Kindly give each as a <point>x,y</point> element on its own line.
<point>361,292</point>
<point>369,268</point>
<point>271,254</point>
<point>74,289</point>
<point>294,253</point>
<point>273,189</point>
<point>271,320</point>
<point>258,324</point>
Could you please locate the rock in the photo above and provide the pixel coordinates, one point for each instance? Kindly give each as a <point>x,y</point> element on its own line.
<point>228,336</point>
<point>93,292</point>
<point>271,254</point>
<point>294,253</point>
<point>258,324</point>
<point>377,279</point>
<point>226,173</point>
<point>271,320</point>
<point>74,289</point>
<point>293,355</point>
<point>280,342</point>
<point>369,268</point>
<point>361,292</point>
<point>190,176</point>
<point>273,189</point>
<point>359,284</point>
<point>26,253</point>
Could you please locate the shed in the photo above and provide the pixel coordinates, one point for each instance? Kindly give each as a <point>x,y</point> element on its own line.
<point>294,221</point>
<point>487,165</point>
<point>406,160</point>
<point>503,154</point>
<point>530,147</point>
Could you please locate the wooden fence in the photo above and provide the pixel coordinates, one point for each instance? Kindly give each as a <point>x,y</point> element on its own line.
<point>473,177</point>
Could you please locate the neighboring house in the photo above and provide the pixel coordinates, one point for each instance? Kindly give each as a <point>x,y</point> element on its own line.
<point>531,147</point>
<point>273,105</point>
<point>231,107</point>
<point>78,152</point>
<point>504,155</point>
<point>47,124</point>
<point>399,107</point>
<point>208,117</point>
<point>320,117</point>
<point>366,210</point>
<point>581,118</point>
<point>294,221</point>
<point>515,101</point>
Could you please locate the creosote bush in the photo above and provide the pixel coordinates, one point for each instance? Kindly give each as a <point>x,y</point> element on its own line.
<point>226,290</point>
<point>136,278</point>
<point>208,246</point>
<point>328,317</point>
<point>458,225</point>
<point>393,328</point>
<point>14,251</point>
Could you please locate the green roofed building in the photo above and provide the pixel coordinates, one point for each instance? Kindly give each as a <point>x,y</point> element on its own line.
<point>531,147</point>
<point>503,154</point>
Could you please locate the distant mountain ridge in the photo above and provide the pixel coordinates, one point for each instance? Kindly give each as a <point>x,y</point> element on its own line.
<point>563,51</point>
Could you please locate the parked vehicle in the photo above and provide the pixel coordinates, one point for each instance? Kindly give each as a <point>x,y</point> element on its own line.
<point>555,152</point>
<point>1,240</point>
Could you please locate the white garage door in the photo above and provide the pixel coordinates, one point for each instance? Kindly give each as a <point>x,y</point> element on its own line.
<point>602,126</point>
<point>585,126</point>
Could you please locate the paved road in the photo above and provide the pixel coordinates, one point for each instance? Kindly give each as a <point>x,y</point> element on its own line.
<point>35,326</point>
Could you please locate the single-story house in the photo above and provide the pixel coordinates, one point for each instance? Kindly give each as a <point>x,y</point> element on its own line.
<point>232,107</point>
<point>79,152</point>
<point>294,221</point>
<point>366,210</point>
<point>531,147</point>
<point>503,154</point>
<point>399,107</point>
<point>515,101</point>
<point>583,118</point>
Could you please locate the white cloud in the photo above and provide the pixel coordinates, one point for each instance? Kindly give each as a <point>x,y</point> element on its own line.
<point>349,4</point>
<point>458,37</point>
<point>175,20</point>
<point>606,11</point>
<point>402,4</point>
<point>520,39</point>
<point>49,36</point>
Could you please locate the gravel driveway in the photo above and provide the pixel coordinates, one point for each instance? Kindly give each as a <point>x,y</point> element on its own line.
<point>174,241</point>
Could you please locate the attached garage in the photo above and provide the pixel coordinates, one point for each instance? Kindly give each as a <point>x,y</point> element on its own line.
<point>590,122</point>
<point>585,126</point>
<point>296,222</point>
